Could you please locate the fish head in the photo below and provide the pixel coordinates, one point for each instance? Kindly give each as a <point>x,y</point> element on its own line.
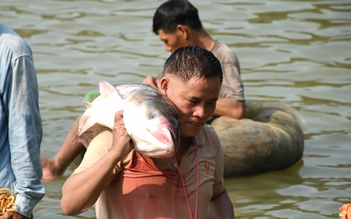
<point>151,120</point>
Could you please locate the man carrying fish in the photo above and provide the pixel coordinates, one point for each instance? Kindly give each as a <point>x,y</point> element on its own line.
<point>177,24</point>
<point>125,183</point>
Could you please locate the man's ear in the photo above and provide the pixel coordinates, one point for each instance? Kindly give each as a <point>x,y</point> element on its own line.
<point>182,31</point>
<point>163,85</point>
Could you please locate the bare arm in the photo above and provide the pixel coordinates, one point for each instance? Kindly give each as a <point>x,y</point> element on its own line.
<point>151,81</point>
<point>81,190</point>
<point>69,150</point>
<point>221,207</point>
<point>226,107</point>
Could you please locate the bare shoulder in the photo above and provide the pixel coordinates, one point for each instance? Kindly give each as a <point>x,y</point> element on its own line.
<point>102,141</point>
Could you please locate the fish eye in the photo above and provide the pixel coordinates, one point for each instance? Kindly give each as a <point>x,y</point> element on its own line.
<point>153,115</point>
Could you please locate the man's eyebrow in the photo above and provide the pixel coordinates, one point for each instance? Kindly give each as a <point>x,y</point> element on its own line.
<point>214,99</point>
<point>196,98</point>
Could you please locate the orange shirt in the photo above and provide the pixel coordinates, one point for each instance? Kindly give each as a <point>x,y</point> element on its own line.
<point>152,188</point>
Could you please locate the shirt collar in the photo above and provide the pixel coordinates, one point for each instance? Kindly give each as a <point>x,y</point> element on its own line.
<point>200,137</point>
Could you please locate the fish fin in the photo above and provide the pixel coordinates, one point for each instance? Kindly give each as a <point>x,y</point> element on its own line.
<point>87,104</point>
<point>83,124</point>
<point>106,88</point>
<point>86,125</point>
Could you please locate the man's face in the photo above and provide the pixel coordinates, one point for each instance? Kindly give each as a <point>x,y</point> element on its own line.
<point>172,41</point>
<point>195,100</point>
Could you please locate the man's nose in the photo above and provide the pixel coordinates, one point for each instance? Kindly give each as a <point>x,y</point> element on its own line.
<point>200,111</point>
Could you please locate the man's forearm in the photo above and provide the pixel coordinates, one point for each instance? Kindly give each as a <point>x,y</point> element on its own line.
<point>25,139</point>
<point>80,191</point>
<point>226,107</point>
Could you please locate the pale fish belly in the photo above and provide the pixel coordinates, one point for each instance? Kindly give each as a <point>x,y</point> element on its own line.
<point>150,118</point>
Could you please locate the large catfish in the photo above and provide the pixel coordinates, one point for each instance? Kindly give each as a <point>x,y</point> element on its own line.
<point>150,118</point>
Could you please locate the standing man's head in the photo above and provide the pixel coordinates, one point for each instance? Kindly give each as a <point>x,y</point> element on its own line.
<point>174,21</point>
<point>192,79</point>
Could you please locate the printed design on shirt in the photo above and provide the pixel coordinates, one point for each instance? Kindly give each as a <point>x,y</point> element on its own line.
<point>207,167</point>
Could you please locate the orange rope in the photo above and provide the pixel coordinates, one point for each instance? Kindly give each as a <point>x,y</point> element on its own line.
<point>7,201</point>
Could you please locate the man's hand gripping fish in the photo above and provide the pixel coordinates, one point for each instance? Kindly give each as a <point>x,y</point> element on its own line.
<point>150,118</point>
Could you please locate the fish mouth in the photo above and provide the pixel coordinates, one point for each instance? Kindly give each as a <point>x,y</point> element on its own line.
<point>174,132</point>
<point>172,139</point>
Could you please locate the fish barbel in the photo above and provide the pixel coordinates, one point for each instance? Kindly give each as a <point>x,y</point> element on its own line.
<point>150,118</point>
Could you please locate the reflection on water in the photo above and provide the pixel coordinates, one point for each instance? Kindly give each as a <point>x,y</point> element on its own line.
<point>296,51</point>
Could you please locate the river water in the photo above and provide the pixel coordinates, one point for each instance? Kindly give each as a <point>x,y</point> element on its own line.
<point>294,51</point>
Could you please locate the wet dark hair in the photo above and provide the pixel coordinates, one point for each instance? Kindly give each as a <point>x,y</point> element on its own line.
<point>174,12</point>
<point>191,61</point>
